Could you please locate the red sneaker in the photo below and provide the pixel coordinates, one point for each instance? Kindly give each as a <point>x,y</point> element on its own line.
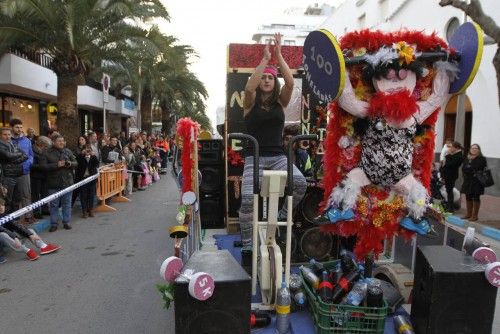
<point>49,249</point>
<point>32,255</point>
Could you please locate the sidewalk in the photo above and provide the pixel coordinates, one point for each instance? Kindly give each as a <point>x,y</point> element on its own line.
<point>489,217</point>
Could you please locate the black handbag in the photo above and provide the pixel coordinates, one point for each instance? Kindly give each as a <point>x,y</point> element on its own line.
<point>485,178</point>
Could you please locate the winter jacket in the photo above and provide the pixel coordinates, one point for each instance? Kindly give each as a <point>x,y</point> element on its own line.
<point>11,159</point>
<point>24,144</point>
<point>105,154</point>
<point>452,163</point>
<point>36,169</point>
<point>83,164</point>
<point>58,177</point>
<point>471,185</point>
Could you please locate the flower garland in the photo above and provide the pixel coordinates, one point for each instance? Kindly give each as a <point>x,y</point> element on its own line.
<point>186,128</point>
<point>234,158</point>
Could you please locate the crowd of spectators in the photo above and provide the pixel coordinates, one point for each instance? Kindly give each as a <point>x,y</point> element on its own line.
<point>34,167</point>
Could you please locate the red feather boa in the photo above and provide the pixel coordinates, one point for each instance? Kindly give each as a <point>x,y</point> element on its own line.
<point>374,40</point>
<point>396,107</point>
<point>185,127</point>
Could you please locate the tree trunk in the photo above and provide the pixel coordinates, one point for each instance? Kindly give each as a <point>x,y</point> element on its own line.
<point>165,118</point>
<point>146,107</point>
<point>496,64</point>
<point>68,120</point>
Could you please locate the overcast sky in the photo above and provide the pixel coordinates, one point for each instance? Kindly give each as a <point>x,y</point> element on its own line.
<point>210,25</point>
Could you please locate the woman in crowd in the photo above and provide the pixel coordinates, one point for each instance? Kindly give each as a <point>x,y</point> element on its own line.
<point>87,166</point>
<point>82,142</point>
<point>264,116</point>
<point>472,188</point>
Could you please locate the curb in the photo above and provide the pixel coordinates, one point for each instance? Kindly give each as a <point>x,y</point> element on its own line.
<point>486,231</point>
<point>41,225</point>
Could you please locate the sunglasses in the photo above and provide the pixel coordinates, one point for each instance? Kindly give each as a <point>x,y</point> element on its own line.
<point>392,74</point>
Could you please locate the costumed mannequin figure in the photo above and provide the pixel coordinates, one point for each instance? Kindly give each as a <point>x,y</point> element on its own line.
<point>394,97</point>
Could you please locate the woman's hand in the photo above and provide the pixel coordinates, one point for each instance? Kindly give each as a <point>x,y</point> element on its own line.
<point>277,44</point>
<point>267,53</point>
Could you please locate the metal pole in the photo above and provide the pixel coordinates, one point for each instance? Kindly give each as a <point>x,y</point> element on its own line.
<point>104,117</point>
<point>460,119</point>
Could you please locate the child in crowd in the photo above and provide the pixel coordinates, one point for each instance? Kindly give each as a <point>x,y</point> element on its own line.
<point>129,160</point>
<point>9,238</point>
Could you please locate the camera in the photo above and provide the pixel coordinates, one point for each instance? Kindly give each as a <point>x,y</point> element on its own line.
<point>67,164</point>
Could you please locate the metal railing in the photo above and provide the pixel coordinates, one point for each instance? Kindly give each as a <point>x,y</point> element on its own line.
<point>39,58</point>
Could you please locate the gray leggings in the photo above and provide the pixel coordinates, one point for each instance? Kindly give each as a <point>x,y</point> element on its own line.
<point>9,241</point>
<point>246,209</point>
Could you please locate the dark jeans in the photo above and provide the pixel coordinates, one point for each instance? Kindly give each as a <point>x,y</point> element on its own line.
<point>39,191</point>
<point>87,196</point>
<point>164,159</point>
<point>65,202</point>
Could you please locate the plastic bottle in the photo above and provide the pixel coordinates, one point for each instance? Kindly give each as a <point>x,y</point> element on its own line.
<point>295,282</point>
<point>357,294</point>
<point>402,325</point>
<point>345,284</point>
<point>310,277</point>
<point>347,263</point>
<point>283,302</point>
<point>335,275</point>
<point>316,266</point>
<point>299,298</point>
<point>325,288</point>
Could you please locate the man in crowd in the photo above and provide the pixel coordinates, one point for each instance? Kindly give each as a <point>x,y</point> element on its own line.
<point>94,145</point>
<point>11,159</point>
<point>30,134</point>
<point>37,175</point>
<point>123,140</point>
<point>111,152</point>
<point>59,162</point>
<point>22,197</point>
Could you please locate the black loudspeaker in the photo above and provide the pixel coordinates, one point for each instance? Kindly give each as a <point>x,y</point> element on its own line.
<point>228,310</point>
<point>211,166</point>
<point>450,296</point>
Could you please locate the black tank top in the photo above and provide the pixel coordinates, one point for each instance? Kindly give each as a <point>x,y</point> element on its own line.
<point>267,128</point>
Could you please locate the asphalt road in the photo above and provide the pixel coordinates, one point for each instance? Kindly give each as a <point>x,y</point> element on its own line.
<point>103,279</point>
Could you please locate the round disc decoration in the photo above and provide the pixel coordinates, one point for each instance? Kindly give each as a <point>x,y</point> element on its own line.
<point>468,42</point>
<point>492,273</point>
<point>324,65</point>
<point>188,198</point>
<point>484,255</point>
<point>201,286</point>
<point>170,268</point>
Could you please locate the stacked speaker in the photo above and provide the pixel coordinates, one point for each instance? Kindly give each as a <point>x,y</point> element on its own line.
<point>450,294</point>
<point>211,166</point>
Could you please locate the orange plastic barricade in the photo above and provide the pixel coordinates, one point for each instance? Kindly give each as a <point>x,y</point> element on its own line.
<point>110,184</point>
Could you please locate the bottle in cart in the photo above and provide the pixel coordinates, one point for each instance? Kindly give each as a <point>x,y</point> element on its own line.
<point>310,277</point>
<point>347,263</point>
<point>316,266</point>
<point>357,294</point>
<point>345,284</point>
<point>299,297</point>
<point>283,302</point>
<point>325,288</point>
<point>295,282</point>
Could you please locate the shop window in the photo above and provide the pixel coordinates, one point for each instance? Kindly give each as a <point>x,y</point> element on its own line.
<point>25,110</point>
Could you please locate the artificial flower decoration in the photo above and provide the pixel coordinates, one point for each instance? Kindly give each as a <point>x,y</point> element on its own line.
<point>406,52</point>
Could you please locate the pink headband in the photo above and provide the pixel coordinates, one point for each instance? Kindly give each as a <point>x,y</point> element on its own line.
<point>272,70</point>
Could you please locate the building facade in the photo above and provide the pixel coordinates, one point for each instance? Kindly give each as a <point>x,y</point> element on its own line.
<point>482,107</point>
<point>28,91</point>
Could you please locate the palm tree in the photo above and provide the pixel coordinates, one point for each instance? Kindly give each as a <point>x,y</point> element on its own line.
<point>79,36</point>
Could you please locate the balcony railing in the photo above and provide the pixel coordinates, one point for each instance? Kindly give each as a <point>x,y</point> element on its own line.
<point>36,57</point>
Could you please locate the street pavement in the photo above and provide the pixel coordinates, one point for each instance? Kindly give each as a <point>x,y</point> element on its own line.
<point>103,279</point>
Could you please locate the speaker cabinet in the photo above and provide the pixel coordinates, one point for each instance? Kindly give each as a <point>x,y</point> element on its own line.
<point>211,166</point>
<point>228,310</point>
<point>450,296</point>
